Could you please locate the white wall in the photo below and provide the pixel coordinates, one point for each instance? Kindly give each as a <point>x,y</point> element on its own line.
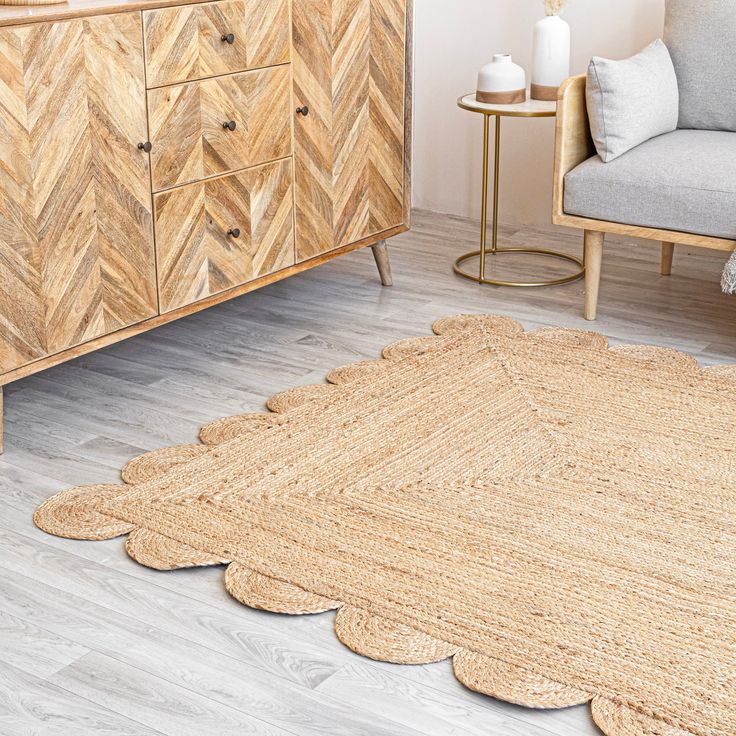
<point>453,39</point>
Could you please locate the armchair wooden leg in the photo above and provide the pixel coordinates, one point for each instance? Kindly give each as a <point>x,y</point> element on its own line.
<point>668,252</point>
<point>380,253</point>
<point>593,259</point>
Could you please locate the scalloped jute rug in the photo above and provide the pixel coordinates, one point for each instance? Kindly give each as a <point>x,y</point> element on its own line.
<point>557,516</point>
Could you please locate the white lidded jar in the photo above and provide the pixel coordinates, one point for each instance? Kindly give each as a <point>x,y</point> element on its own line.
<point>501,82</point>
<point>550,57</point>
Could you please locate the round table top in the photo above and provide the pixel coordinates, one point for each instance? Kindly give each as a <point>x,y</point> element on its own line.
<point>529,109</point>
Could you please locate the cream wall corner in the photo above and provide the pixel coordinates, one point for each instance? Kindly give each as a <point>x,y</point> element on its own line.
<point>454,38</point>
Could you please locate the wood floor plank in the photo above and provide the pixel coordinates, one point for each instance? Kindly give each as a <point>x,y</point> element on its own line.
<point>204,697</point>
<point>433,712</point>
<point>34,650</point>
<point>172,710</point>
<point>231,630</point>
<point>30,706</point>
<point>126,644</point>
<point>79,423</point>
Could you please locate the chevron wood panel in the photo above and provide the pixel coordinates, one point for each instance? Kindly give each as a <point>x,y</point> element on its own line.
<point>64,187</point>
<point>388,114</point>
<point>22,334</point>
<point>175,129</point>
<point>349,68</point>
<point>271,218</point>
<point>313,147</point>
<point>269,32</point>
<point>83,261</point>
<point>187,133</point>
<point>172,44</point>
<point>185,43</point>
<point>196,255</point>
<point>215,21</point>
<point>117,123</point>
<point>260,104</point>
<point>351,134</point>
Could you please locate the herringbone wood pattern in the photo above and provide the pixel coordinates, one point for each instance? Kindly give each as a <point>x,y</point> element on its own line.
<point>386,167</point>
<point>349,69</point>
<point>197,257</point>
<point>185,43</point>
<point>187,133</point>
<point>22,323</point>
<point>76,245</point>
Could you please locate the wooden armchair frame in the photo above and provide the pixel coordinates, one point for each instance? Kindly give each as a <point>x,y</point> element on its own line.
<point>573,145</point>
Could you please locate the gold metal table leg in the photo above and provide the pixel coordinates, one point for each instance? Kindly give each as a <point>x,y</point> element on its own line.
<point>495,250</point>
<point>496,178</point>
<point>484,203</point>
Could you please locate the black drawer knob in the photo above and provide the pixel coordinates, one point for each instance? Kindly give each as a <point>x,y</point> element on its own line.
<point>229,125</point>
<point>303,110</point>
<point>145,146</point>
<point>228,38</point>
<point>234,233</point>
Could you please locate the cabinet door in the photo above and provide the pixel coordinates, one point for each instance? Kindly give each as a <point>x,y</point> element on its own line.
<point>76,242</point>
<point>223,232</point>
<point>349,66</point>
<point>188,132</point>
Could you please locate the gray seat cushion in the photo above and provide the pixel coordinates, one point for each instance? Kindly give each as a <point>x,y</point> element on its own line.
<point>701,38</point>
<point>684,181</point>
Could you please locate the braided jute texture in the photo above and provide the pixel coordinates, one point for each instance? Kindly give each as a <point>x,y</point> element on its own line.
<point>557,516</point>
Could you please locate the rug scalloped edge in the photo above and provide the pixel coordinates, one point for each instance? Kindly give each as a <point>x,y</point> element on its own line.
<point>382,639</point>
<point>155,464</point>
<point>259,591</point>
<point>228,428</point>
<point>72,514</point>
<point>514,684</point>
<point>615,718</point>
<point>158,552</point>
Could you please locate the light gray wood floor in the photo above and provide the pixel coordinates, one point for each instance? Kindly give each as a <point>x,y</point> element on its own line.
<point>92,643</point>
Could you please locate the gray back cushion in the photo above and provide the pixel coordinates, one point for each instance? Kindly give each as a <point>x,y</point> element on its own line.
<point>701,38</point>
<point>631,101</point>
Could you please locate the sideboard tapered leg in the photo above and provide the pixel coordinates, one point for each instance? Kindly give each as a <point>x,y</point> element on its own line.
<point>380,253</point>
<point>2,448</point>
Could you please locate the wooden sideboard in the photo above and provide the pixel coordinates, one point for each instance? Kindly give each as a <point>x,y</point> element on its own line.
<point>157,158</point>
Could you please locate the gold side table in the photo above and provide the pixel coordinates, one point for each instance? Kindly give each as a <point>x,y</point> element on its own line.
<point>528,109</point>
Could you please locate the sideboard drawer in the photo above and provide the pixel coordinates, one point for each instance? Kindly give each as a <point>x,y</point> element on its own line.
<point>197,41</point>
<point>223,232</point>
<point>201,129</point>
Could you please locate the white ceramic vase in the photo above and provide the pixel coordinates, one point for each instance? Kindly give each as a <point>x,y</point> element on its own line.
<point>501,82</point>
<point>550,57</point>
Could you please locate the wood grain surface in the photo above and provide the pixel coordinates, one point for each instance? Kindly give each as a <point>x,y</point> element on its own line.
<point>197,253</point>
<point>185,43</point>
<point>349,64</point>
<point>187,121</point>
<point>76,244</point>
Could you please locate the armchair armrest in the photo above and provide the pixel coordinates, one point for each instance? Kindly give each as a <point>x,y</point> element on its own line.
<point>573,142</point>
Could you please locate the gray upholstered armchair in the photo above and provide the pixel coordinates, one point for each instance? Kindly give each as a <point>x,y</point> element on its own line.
<point>679,187</point>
